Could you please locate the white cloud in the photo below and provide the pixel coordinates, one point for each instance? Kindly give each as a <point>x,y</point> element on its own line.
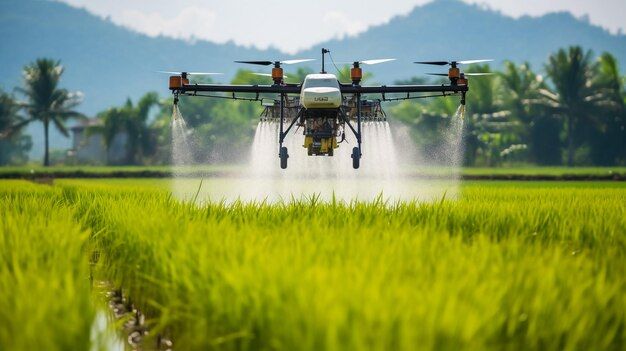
<point>186,24</point>
<point>294,25</point>
<point>342,23</point>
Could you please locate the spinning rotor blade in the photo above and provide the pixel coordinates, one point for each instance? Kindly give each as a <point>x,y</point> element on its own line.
<point>262,63</point>
<point>436,63</point>
<point>443,63</point>
<point>291,62</point>
<point>469,62</point>
<point>268,63</point>
<point>377,61</point>
<point>366,62</point>
<point>476,74</point>
<point>266,74</point>
<point>192,73</point>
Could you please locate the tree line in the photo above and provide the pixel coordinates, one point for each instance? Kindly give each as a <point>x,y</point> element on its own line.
<point>574,114</point>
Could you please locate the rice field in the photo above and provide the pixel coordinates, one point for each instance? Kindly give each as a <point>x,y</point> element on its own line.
<point>504,266</point>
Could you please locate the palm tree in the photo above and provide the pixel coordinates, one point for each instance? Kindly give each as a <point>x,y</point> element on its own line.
<point>9,116</point>
<point>487,126</point>
<point>13,145</point>
<point>520,87</point>
<point>575,96</point>
<point>609,140</point>
<point>132,120</point>
<point>46,102</point>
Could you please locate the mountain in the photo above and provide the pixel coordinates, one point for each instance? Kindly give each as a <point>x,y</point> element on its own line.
<point>109,63</point>
<point>451,29</point>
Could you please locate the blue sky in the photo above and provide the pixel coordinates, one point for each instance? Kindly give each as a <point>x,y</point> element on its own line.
<point>293,25</point>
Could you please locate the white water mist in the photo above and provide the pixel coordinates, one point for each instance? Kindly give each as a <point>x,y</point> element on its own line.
<point>391,167</point>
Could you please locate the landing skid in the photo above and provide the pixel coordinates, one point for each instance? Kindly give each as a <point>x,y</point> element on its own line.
<point>356,151</point>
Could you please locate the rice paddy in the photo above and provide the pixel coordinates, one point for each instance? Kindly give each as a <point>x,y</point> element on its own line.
<point>502,266</point>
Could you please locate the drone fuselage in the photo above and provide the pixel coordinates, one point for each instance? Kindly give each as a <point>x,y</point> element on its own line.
<point>321,100</point>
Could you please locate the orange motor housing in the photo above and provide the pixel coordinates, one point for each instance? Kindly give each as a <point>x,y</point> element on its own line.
<point>177,82</point>
<point>454,73</point>
<point>277,74</point>
<point>356,74</point>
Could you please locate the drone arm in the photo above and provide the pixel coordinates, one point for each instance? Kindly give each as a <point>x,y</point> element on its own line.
<point>256,89</point>
<point>390,89</point>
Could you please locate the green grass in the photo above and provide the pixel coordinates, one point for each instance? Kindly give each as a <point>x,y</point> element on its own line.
<point>45,290</point>
<point>554,171</point>
<point>76,171</point>
<point>506,266</point>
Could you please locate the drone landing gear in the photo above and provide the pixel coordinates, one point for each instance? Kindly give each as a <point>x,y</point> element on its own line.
<point>356,157</point>
<point>356,151</point>
<point>282,151</point>
<point>284,155</point>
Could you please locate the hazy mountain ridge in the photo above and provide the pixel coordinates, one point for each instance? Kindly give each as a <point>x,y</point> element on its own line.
<point>447,29</point>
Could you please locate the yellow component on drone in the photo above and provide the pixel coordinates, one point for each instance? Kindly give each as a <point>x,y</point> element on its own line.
<point>324,146</point>
<point>308,141</point>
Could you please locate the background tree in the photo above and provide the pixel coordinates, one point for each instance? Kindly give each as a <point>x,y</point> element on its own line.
<point>132,121</point>
<point>520,86</point>
<point>575,97</point>
<point>221,129</point>
<point>14,146</point>
<point>45,101</point>
<point>488,126</point>
<point>608,140</point>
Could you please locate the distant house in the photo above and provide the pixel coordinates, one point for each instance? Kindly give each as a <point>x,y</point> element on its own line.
<point>88,146</point>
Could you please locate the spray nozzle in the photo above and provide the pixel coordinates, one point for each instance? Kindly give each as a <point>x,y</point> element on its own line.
<point>463,98</point>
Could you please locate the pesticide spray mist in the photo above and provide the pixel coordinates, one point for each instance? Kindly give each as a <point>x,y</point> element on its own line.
<point>391,167</point>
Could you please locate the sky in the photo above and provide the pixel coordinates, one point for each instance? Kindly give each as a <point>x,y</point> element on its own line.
<point>294,25</point>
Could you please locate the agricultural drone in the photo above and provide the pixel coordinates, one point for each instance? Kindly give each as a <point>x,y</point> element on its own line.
<point>321,105</point>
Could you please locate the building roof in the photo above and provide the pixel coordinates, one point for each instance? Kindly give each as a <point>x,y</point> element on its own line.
<point>86,123</point>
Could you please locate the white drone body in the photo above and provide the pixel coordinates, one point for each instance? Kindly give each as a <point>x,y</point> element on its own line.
<point>320,91</point>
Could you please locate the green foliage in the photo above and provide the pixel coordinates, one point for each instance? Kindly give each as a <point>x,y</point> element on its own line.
<point>516,116</point>
<point>609,138</point>
<point>576,97</point>
<point>45,101</point>
<point>46,299</point>
<point>14,146</point>
<point>221,129</point>
<point>132,122</point>
<point>540,133</point>
<point>513,117</point>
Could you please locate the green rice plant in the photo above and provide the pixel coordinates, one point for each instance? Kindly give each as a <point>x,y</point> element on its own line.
<point>45,292</point>
<point>503,267</point>
<point>506,266</point>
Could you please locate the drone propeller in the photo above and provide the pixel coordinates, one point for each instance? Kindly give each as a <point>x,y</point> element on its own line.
<point>276,63</point>
<point>266,74</point>
<point>452,63</point>
<point>466,74</point>
<point>191,73</point>
<point>367,62</point>
<point>277,71</point>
